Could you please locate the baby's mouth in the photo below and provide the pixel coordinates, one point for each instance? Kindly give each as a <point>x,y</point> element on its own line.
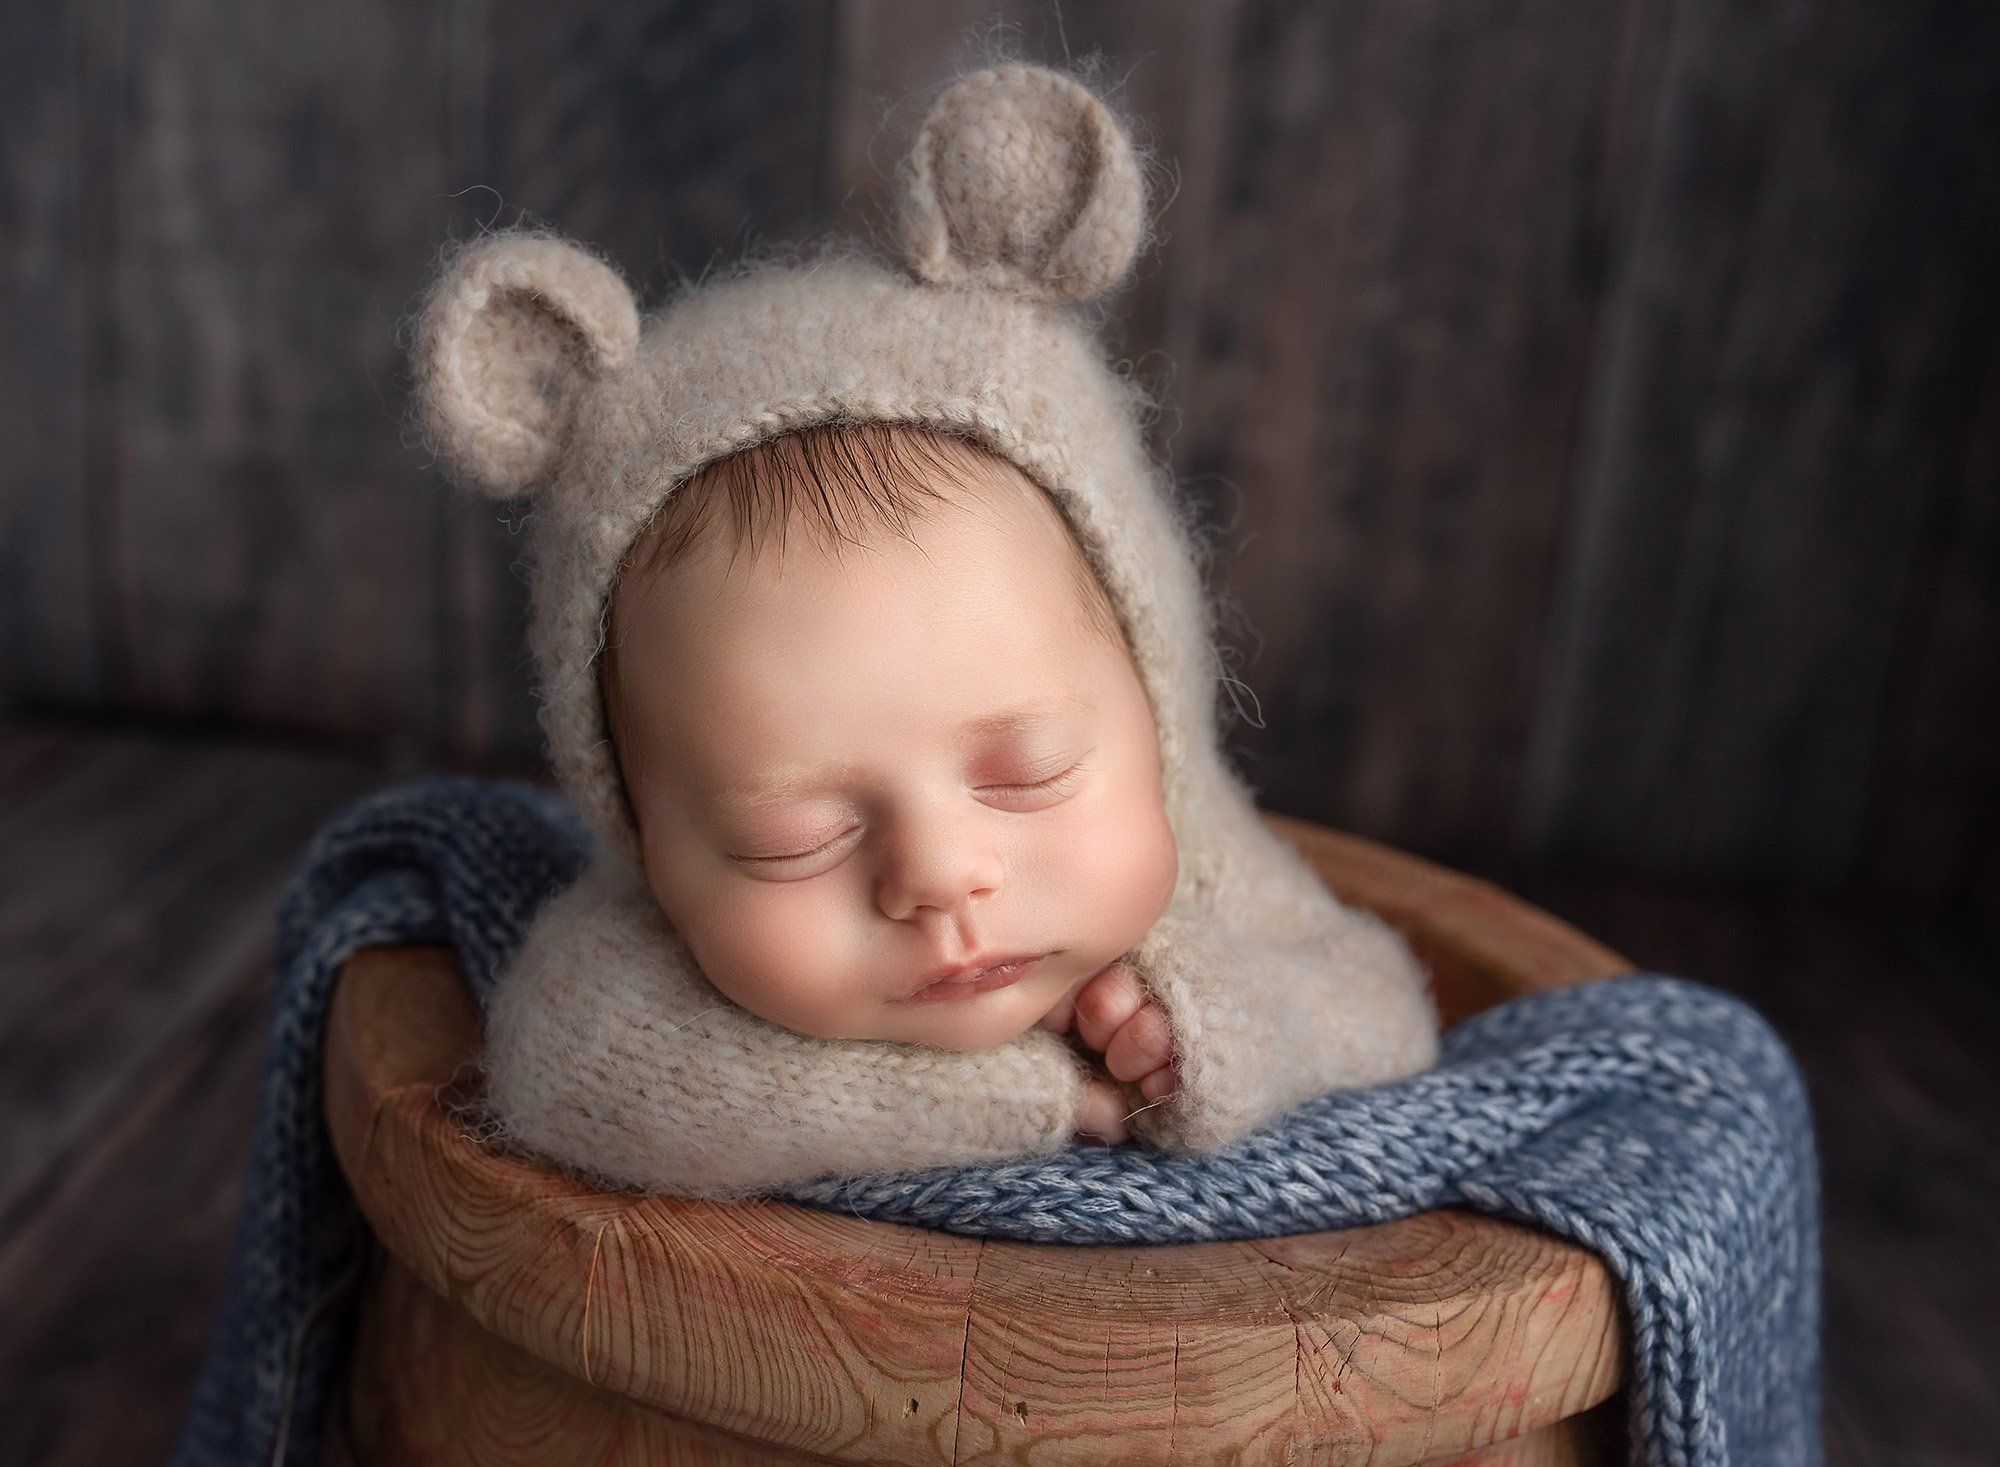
<point>980,980</point>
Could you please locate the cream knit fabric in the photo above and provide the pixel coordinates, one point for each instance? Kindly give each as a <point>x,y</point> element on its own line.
<point>607,1050</point>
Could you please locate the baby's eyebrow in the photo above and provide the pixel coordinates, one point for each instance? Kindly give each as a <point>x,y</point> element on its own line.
<point>1022,715</point>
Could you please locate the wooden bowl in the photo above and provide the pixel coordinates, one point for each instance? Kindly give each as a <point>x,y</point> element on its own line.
<point>513,1315</point>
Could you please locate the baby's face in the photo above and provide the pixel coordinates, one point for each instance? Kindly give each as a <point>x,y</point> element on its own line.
<point>851,773</point>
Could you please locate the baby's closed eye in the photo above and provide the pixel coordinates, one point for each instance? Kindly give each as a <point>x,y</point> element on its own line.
<point>1058,785</point>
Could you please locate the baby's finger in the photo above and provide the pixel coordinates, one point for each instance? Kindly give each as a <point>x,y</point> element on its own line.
<point>1142,1044</point>
<point>1100,1113</point>
<point>1161,1083</point>
<point>1105,1003</point>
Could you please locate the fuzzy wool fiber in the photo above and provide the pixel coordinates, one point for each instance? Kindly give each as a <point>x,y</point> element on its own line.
<point>1659,1122</point>
<point>609,1051</point>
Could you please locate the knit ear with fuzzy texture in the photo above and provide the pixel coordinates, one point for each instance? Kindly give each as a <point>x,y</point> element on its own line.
<point>1021,179</point>
<point>516,329</point>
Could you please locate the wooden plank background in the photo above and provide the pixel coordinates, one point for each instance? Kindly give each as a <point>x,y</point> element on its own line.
<point>1597,403</point>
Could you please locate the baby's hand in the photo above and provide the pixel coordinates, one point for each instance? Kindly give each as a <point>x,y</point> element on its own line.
<point>1100,1114</point>
<point>1113,1015</point>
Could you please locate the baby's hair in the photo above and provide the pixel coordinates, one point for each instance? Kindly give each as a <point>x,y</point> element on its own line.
<point>843,481</point>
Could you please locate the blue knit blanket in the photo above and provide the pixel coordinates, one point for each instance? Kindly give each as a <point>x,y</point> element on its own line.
<point>1658,1122</point>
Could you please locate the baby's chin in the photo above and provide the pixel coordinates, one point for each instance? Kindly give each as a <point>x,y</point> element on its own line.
<point>977,1021</point>
<point>974,1022</point>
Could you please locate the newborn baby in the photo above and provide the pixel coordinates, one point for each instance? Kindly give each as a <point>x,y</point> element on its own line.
<point>872,644</point>
<point>894,783</point>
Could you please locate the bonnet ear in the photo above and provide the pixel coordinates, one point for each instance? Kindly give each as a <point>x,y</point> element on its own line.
<point>518,328</point>
<point>1021,179</point>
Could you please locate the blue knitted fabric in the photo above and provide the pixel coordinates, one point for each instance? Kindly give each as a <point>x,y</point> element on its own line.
<point>1658,1122</point>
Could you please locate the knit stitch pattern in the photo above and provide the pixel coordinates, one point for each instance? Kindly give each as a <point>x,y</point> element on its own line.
<point>1658,1122</point>
<point>1022,195</point>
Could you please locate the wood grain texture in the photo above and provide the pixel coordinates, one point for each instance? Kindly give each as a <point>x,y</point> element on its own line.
<point>485,1403</point>
<point>1589,406</point>
<point>856,1341</point>
<point>137,878</point>
<point>49,150</point>
<point>1778,407</point>
<point>29,750</point>
<point>278,191</point>
<point>482,1402</point>
<point>1397,314</point>
<point>111,1276</point>
<point>1934,798</point>
<point>138,874</point>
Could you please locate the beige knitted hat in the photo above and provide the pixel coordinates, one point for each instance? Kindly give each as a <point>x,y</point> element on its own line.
<point>1023,193</point>
<point>1021,198</point>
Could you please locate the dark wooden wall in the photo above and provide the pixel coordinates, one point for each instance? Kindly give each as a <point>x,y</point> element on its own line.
<point>1598,400</point>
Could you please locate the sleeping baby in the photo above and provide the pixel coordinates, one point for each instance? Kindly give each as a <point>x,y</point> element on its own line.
<point>873,646</point>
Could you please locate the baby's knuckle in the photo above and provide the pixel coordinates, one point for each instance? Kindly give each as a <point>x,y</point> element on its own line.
<point>1134,1050</point>
<point>1107,1000</point>
<point>1154,1031</point>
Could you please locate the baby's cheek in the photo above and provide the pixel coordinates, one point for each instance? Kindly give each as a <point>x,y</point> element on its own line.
<point>772,953</point>
<point>1159,854</point>
<point>1123,869</point>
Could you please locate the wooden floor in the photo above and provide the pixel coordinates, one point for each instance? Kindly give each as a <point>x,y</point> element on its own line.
<point>138,873</point>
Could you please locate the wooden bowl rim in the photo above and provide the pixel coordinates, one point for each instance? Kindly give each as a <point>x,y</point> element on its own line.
<point>610,1286</point>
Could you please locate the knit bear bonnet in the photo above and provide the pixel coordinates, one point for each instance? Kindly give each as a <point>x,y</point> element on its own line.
<point>1021,198</point>
<point>1022,194</point>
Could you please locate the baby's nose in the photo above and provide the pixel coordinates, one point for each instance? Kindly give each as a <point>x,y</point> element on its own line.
<point>944,876</point>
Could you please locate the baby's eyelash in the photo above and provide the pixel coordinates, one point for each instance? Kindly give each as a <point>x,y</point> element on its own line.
<point>797,855</point>
<point>1054,781</point>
